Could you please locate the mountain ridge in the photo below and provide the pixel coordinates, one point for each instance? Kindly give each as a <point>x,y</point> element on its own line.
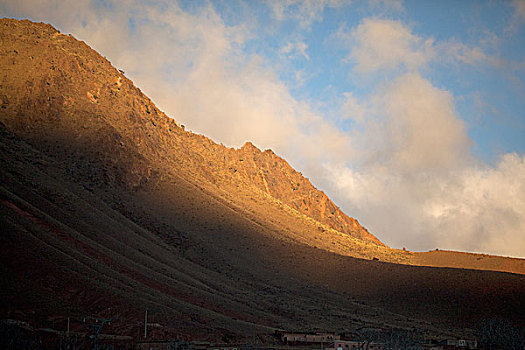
<point>106,201</point>
<point>284,183</point>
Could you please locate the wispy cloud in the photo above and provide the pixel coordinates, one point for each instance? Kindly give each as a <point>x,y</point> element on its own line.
<point>387,5</point>
<point>305,12</point>
<point>389,45</point>
<point>456,52</point>
<point>353,109</point>
<point>518,18</point>
<point>519,9</point>
<point>295,50</point>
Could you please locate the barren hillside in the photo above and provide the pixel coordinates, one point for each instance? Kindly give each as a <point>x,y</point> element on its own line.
<point>107,202</point>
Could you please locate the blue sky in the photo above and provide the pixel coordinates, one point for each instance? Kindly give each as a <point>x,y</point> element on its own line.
<point>410,115</point>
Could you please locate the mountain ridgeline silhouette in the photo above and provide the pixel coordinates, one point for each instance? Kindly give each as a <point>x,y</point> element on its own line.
<point>107,202</point>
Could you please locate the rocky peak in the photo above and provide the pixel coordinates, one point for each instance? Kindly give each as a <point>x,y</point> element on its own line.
<point>250,147</point>
<point>71,98</point>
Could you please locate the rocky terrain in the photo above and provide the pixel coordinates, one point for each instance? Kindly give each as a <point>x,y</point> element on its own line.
<point>106,202</point>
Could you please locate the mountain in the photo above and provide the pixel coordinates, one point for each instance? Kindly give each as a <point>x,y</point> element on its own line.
<point>107,202</point>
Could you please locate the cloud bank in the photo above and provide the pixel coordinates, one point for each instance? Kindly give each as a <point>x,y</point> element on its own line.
<point>387,44</point>
<point>414,180</point>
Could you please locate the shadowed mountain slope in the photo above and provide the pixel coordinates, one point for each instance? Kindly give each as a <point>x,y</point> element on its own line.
<point>107,202</point>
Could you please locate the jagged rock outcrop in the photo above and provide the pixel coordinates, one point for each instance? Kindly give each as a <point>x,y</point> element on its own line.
<point>66,95</point>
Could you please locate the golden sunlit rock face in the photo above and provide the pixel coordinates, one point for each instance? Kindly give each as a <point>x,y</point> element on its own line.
<point>84,102</point>
<point>75,88</point>
<point>107,202</point>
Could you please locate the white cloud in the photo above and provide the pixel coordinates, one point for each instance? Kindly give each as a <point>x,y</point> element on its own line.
<point>393,5</point>
<point>483,209</point>
<point>305,12</point>
<point>519,8</point>
<point>412,181</point>
<point>421,128</point>
<point>472,208</point>
<point>411,178</point>
<point>300,78</point>
<point>518,17</point>
<point>457,52</point>
<point>353,109</point>
<point>413,137</point>
<point>295,50</point>
<point>386,44</point>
